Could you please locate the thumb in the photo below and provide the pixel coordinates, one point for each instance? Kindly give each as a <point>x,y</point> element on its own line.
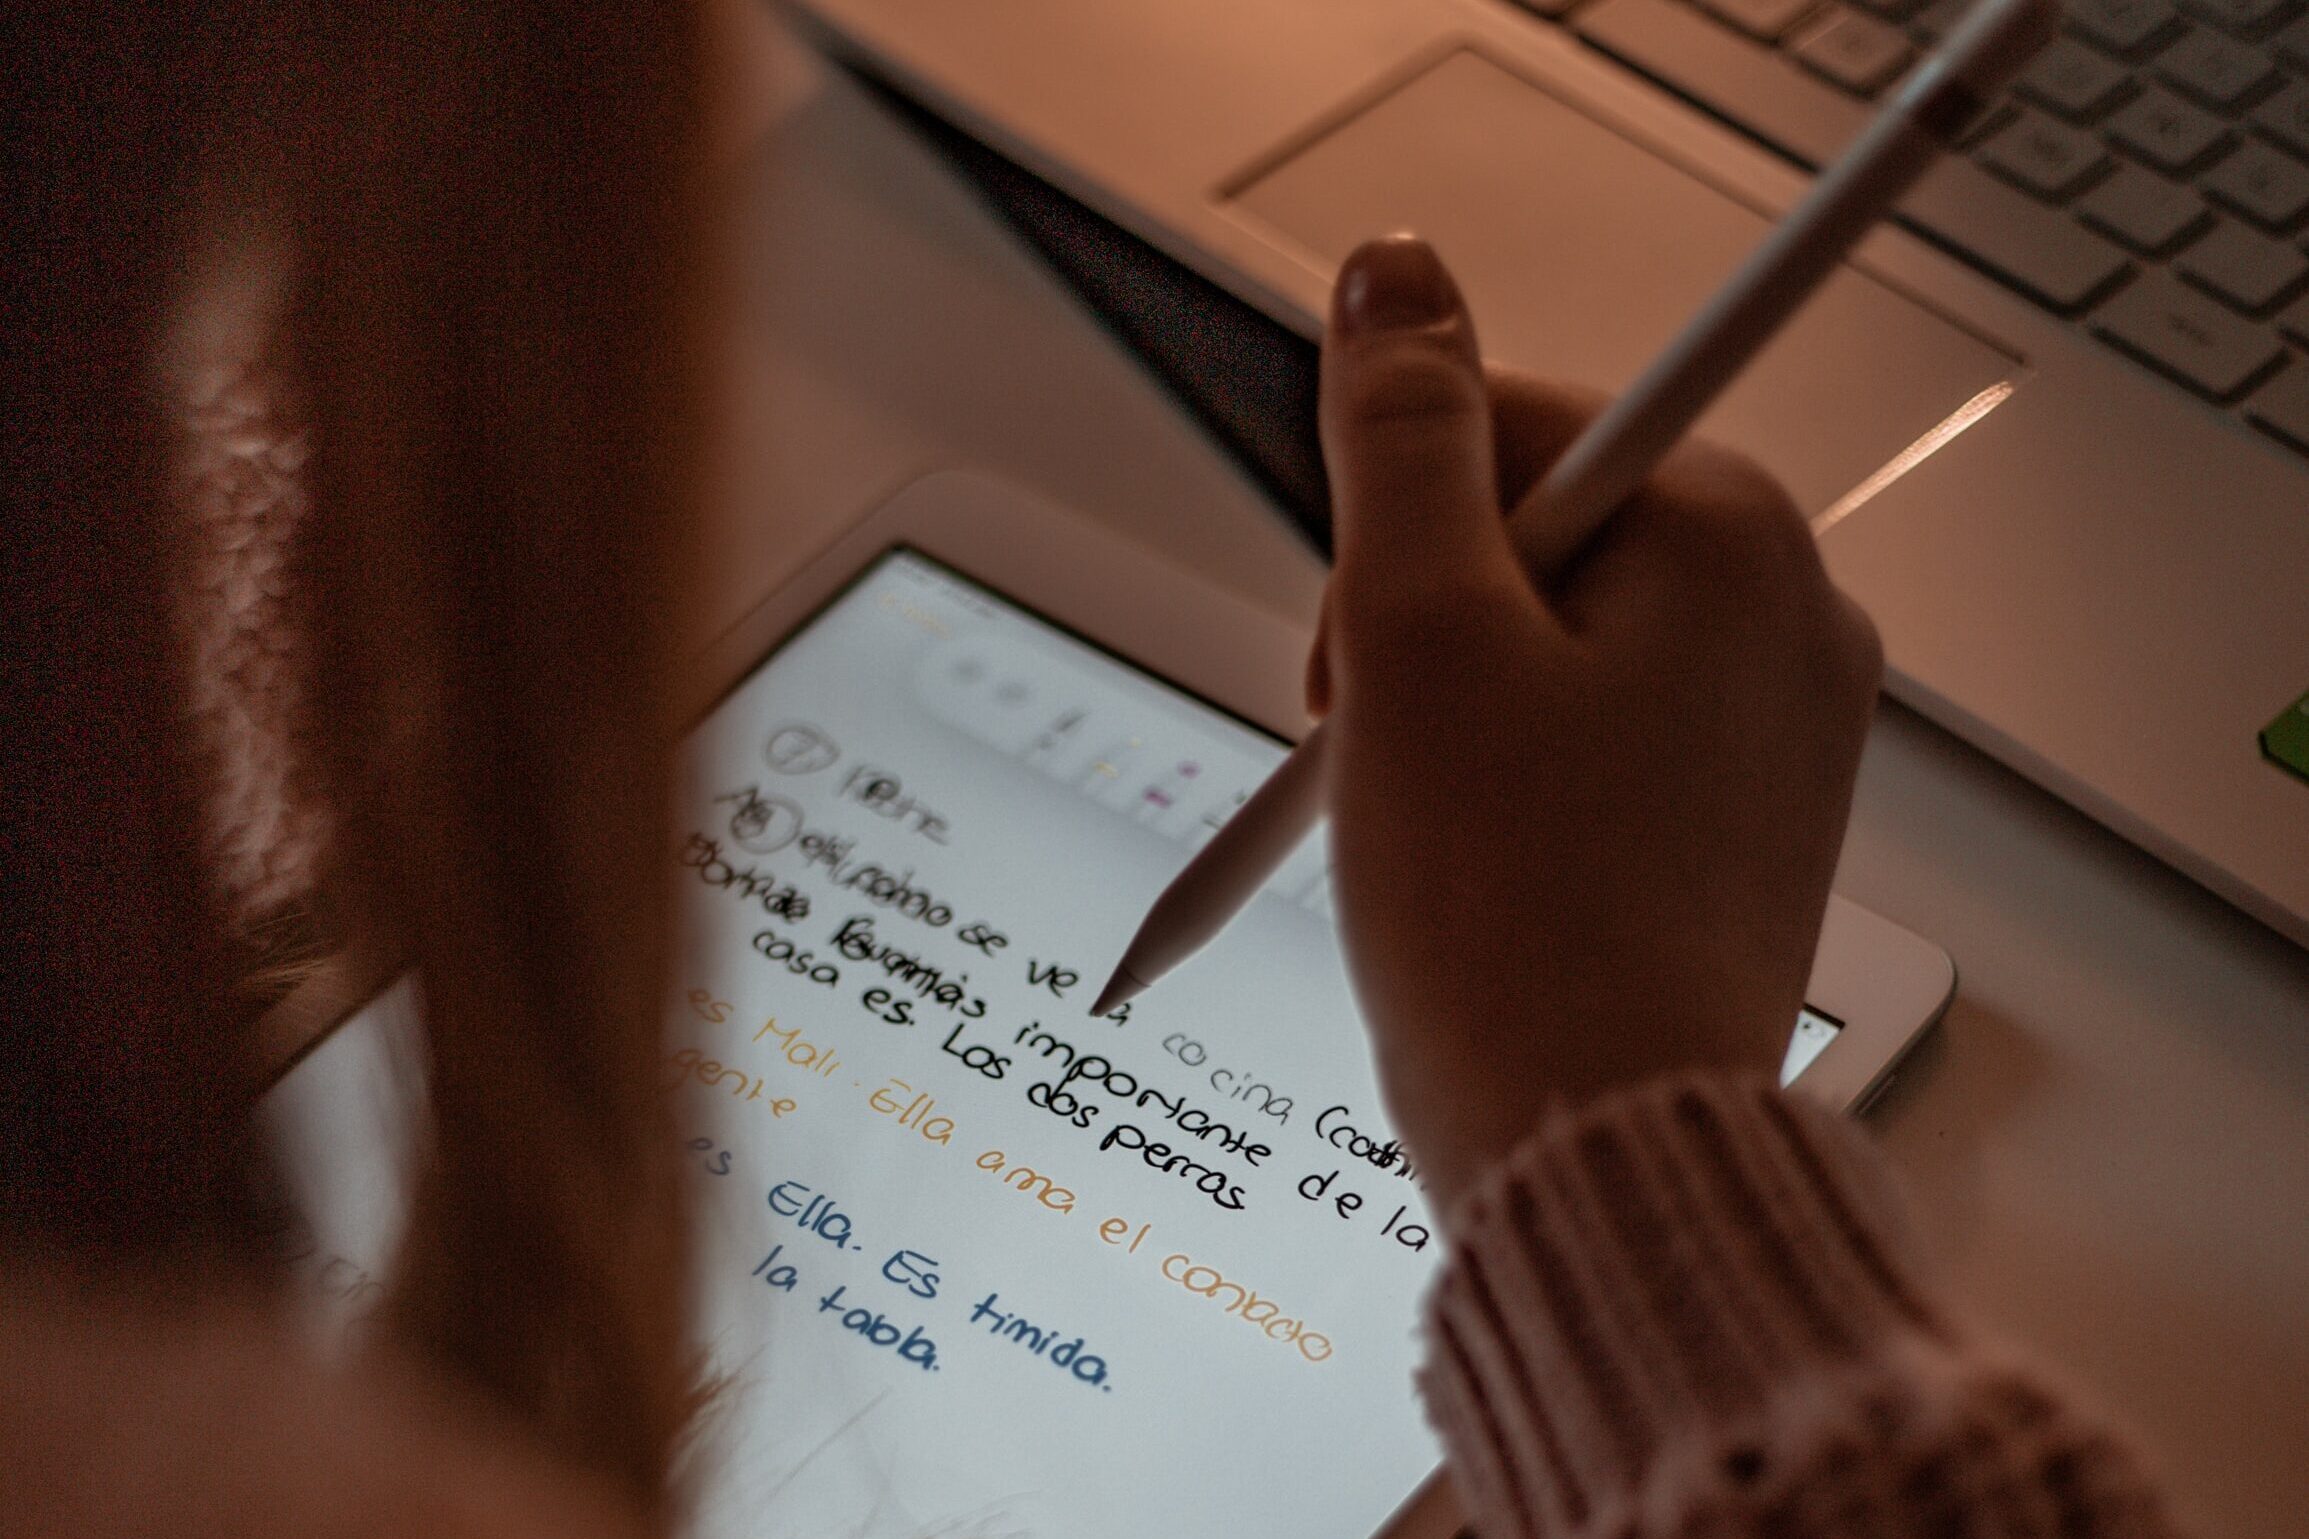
<point>1406,427</point>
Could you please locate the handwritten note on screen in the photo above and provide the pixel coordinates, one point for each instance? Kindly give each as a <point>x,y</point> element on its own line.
<point>978,1263</point>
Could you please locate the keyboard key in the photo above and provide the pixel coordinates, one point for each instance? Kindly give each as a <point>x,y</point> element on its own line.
<point>1858,52</point>
<point>2187,336</point>
<point>2292,44</point>
<point>1764,19</point>
<point>2262,183</point>
<point>2143,210</point>
<point>2282,406</point>
<point>2218,71</point>
<point>2241,16</point>
<point>2124,26</point>
<point>2046,157</point>
<point>2250,271</point>
<point>2165,131</point>
<point>1937,20</point>
<point>2285,117</point>
<point>2074,81</point>
<point>2294,321</point>
<point>2033,247</point>
<point>1748,84</point>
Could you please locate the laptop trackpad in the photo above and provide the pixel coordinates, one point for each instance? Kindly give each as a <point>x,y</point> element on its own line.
<point>1582,253</point>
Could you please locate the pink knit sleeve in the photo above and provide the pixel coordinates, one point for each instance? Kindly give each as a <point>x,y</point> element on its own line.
<point>1690,1310</point>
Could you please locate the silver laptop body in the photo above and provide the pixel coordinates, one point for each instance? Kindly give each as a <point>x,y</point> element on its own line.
<point>2053,430</point>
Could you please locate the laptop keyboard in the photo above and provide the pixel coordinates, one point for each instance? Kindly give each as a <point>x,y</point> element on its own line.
<point>2148,176</point>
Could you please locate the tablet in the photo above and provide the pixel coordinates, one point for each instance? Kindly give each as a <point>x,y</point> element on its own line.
<point>974,1262</point>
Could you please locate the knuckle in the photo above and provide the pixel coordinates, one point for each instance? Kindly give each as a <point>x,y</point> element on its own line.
<point>1541,396</point>
<point>1747,482</point>
<point>1703,470</point>
<point>1735,519</point>
<point>1862,645</point>
<point>1412,386</point>
<point>1397,617</point>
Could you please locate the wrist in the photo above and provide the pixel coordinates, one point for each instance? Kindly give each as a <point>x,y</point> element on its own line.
<point>1462,1100</point>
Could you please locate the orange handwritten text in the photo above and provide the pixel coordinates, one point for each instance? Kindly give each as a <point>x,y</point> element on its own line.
<point>1027,1179</point>
<point>892,1100</point>
<point>1245,1305</point>
<point>690,1064</point>
<point>802,1055</point>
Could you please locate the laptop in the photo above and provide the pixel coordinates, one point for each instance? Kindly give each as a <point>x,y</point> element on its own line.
<point>2051,425</point>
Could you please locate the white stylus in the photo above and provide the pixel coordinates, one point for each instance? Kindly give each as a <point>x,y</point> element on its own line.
<point>1608,461</point>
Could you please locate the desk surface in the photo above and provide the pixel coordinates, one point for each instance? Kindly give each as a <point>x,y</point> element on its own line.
<point>2107,1142</point>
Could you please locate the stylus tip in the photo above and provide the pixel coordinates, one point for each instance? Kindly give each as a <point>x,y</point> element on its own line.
<point>1119,990</point>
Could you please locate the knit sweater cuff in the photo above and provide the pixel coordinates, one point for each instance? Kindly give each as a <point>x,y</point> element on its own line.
<point>1653,1270</point>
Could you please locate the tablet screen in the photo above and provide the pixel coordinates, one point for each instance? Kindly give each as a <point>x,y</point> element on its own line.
<point>977,1264</point>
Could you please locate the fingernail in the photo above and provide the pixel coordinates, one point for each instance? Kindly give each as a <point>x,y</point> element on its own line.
<point>1396,282</point>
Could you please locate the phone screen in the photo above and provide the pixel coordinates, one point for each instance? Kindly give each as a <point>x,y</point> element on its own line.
<point>976,1263</point>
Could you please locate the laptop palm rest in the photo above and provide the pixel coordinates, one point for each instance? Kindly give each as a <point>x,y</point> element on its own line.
<point>1583,252</point>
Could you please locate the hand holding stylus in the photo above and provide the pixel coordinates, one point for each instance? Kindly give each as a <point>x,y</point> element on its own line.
<point>1609,458</point>
<point>1583,821</point>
